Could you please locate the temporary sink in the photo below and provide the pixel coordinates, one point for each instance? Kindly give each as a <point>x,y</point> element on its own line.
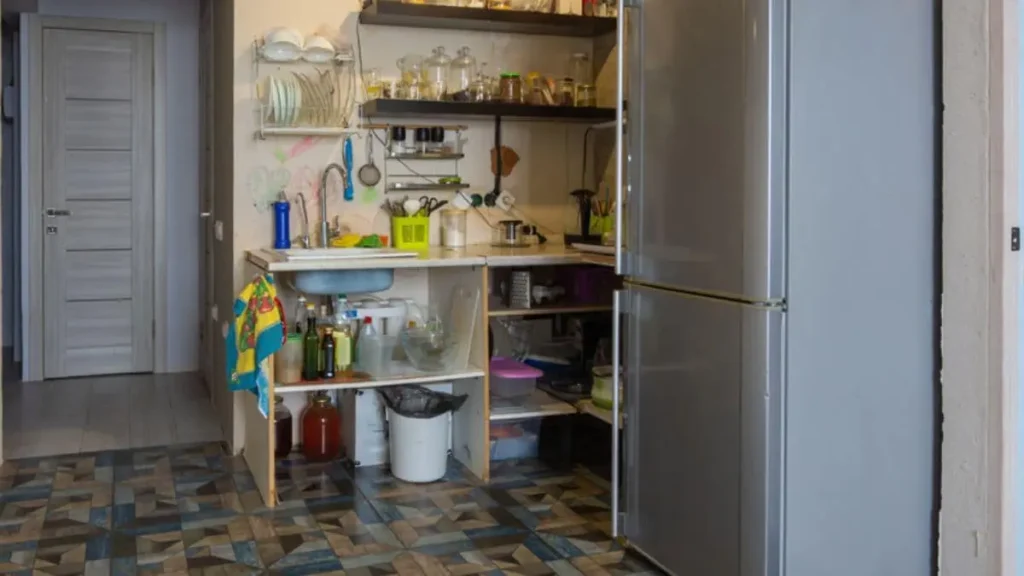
<point>330,282</point>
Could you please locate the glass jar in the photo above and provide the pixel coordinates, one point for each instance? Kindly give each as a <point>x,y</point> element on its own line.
<point>435,74</point>
<point>410,66</point>
<point>480,89</point>
<point>321,430</point>
<point>511,88</point>
<point>372,83</point>
<point>460,75</point>
<point>565,92</point>
<point>396,144</point>
<point>601,392</point>
<point>586,96</point>
<point>282,429</point>
<point>288,361</point>
<point>453,228</point>
<point>535,89</point>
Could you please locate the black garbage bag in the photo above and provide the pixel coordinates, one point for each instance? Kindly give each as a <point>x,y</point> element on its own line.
<point>419,402</point>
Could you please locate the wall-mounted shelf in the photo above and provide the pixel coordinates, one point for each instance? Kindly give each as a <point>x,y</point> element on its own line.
<point>542,310</point>
<point>382,107</point>
<point>425,156</point>
<point>304,131</point>
<point>424,187</point>
<point>397,13</point>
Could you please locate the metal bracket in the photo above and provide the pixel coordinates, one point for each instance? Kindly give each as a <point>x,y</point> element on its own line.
<point>1015,239</point>
<point>54,212</point>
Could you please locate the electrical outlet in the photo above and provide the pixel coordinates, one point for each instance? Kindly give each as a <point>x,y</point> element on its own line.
<point>505,201</point>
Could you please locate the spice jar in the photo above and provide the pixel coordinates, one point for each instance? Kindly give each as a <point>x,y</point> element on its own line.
<point>511,88</point>
<point>321,430</point>
<point>480,89</point>
<point>535,89</point>
<point>453,228</point>
<point>282,429</point>
<point>397,143</point>
<point>565,92</point>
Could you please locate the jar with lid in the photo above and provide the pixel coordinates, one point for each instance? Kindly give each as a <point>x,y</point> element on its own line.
<point>565,92</point>
<point>535,89</point>
<point>511,88</point>
<point>282,429</point>
<point>582,72</point>
<point>435,74</point>
<point>460,75</point>
<point>410,67</point>
<point>453,228</point>
<point>480,89</point>
<point>396,144</point>
<point>321,430</point>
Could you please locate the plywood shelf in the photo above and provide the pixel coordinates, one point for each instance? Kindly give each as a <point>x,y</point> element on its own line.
<point>397,13</point>
<point>402,373</point>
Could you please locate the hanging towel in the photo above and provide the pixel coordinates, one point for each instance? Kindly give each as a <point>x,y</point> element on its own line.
<point>256,333</point>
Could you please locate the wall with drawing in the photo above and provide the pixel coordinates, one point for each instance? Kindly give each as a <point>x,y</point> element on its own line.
<point>551,155</point>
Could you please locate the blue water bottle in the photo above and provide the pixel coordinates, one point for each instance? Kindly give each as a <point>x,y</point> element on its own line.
<point>282,222</point>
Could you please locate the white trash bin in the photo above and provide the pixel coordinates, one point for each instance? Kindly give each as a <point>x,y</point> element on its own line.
<point>419,447</point>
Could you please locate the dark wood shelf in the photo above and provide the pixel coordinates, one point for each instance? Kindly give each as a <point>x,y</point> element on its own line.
<point>427,108</point>
<point>397,13</point>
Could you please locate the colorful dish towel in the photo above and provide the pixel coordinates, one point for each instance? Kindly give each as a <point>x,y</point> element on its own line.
<point>256,333</point>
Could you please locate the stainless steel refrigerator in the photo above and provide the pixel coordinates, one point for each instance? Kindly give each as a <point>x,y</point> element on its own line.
<point>778,318</point>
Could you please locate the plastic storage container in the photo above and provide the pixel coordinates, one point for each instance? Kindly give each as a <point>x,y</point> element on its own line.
<point>515,440</point>
<point>512,379</point>
<point>411,232</point>
<point>418,446</point>
<point>374,354</point>
<point>288,361</point>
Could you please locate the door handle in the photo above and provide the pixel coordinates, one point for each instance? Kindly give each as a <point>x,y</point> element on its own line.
<point>616,409</point>
<point>54,212</point>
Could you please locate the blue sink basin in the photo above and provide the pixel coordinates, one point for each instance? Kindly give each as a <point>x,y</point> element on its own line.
<point>333,282</point>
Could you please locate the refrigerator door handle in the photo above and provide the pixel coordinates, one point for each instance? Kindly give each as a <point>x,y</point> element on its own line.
<point>616,411</point>
<point>620,69</point>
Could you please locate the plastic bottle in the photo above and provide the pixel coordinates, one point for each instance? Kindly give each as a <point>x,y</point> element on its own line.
<point>300,314</point>
<point>342,348</point>
<point>366,334</point>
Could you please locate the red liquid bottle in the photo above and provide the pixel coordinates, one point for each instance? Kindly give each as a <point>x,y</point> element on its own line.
<point>321,430</point>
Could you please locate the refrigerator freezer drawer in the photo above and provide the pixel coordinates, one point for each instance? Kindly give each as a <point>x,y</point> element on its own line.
<point>703,428</point>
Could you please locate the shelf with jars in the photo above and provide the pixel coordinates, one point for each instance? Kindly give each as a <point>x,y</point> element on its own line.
<point>302,87</point>
<point>439,85</point>
<point>538,17</point>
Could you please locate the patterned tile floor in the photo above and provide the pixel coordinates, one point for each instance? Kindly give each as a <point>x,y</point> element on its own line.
<point>194,509</point>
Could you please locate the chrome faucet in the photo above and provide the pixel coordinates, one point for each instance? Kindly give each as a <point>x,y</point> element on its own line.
<point>305,222</point>
<point>325,227</point>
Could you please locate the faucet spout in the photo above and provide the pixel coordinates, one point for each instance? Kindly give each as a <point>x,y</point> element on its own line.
<point>325,226</point>
<point>305,221</point>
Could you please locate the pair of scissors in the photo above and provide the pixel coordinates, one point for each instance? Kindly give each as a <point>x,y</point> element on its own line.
<point>430,205</point>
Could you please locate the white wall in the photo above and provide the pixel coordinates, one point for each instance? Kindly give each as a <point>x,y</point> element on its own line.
<point>181,20</point>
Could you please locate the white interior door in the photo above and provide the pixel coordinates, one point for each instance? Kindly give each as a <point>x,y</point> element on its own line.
<point>98,202</point>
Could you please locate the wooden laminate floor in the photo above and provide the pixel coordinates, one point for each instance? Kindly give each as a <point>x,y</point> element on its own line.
<point>106,413</point>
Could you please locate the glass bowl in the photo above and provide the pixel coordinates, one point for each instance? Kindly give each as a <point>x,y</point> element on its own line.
<point>429,349</point>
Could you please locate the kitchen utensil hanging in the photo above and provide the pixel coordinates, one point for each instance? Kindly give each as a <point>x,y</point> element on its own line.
<point>368,173</point>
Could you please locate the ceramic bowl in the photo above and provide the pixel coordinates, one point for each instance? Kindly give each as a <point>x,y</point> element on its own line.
<point>318,49</point>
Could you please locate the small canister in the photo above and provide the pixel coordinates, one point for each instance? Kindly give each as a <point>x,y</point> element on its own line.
<point>453,228</point>
<point>511,88</point>
<point>288,361</point>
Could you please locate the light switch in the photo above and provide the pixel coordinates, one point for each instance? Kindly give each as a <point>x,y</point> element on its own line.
<point>218,230</point>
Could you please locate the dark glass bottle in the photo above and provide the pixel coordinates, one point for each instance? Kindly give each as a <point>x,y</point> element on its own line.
<point>327,353</point>
<point>282,429</point>
<point>321,430</point>
<point>310,351</point>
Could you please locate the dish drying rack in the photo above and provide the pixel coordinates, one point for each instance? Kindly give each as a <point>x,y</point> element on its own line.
<point>301,98</point>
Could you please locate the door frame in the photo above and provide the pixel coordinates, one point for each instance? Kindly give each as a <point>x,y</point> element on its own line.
<point>981,279</point>
<point>32,184</point>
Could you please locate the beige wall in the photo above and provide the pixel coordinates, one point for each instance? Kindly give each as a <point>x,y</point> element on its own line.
<point>551,153</point>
